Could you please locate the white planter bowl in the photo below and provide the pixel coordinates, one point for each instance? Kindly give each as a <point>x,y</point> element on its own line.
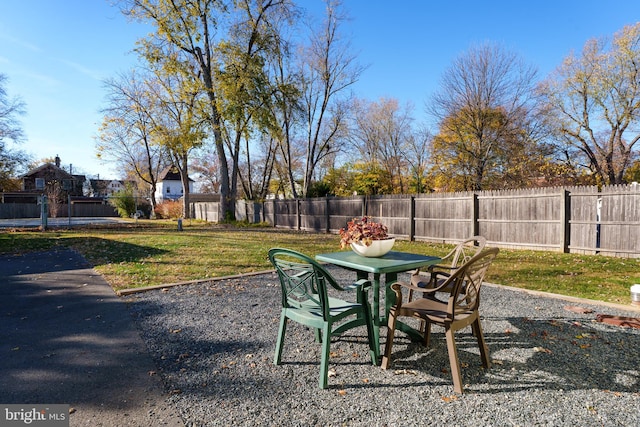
<point>376,249</point>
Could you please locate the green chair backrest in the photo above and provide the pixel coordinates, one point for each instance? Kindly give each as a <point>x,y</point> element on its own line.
<point>303,281</point>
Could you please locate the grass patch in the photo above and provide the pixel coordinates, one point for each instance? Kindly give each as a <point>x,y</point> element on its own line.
<point>147,253</point>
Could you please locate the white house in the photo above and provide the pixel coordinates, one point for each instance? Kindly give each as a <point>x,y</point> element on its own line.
<point>107,187</point>
<point>169,186</point>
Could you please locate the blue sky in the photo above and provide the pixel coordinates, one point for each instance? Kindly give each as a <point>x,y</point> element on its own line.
<point>57,53</point>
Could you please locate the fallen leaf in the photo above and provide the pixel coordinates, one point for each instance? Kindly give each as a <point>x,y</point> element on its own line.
<point>342,392</point>
<point>332,373</point>
<point>404,372</point>
<point>576,309</point>
<point>497,362</point>
<point>541,350</point>
<point>152,373</point>
<point>449,399</point>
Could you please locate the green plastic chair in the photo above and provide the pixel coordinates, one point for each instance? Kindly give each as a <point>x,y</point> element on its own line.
<point>305,300</point>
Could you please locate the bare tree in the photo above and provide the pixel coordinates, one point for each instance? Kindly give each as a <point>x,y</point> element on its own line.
<point>593,102</point>
<point>418,159</point>
<point>205,165</point>
<point>10,131</point>
<point>328,70</point>
<point>126,135</point>
<point>484,103</point>
<point>382,133</point>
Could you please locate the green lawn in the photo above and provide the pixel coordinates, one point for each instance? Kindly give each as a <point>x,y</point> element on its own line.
<point>153,252</point>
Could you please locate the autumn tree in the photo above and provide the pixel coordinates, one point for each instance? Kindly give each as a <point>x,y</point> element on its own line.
<point>593,104</point>
<point>247,87</point>
<point>189,31</point>
<point>205,33</point>
<point>179,125</point>
<point>484,105</point>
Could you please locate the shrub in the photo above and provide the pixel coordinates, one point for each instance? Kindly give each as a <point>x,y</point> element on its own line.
<point>124,202</point>
<point>169,210</point>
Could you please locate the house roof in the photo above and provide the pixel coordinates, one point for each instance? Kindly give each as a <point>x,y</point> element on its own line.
<point>58,170</point>
<point>170,173</point>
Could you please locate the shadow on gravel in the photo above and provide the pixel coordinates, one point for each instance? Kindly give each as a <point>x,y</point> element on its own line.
<point>542,354</point>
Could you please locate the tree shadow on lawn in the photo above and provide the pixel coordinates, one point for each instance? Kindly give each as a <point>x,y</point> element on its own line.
<point>104,251</point>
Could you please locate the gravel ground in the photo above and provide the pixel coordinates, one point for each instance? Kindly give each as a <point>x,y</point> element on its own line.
<point>213,347</point>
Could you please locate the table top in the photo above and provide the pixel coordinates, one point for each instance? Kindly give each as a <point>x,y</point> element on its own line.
<point>391,262</point>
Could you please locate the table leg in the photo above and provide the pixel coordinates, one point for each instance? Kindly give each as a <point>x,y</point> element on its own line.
<point>375,310</point>
<point>389,295</point>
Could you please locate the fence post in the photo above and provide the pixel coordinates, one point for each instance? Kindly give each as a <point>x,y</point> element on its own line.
<point>412,218</point>
<point>565,219</point>
<point>476,213</point>
<point>327,215</point>
<point>274,210</point>
<point>298,214</point>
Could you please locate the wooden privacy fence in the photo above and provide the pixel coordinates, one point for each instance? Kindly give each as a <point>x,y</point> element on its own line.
<point>565,219</point>
<point>32,210</point>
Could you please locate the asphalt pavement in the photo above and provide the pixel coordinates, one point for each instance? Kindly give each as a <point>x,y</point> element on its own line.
<point>66,338</point>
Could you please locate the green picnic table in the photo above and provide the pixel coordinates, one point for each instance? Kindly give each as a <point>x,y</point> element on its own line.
<point>390,265</point>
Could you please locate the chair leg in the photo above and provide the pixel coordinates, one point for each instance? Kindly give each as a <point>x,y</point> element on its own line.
<point>280,342</point>
<point>453,360</point>
<point>427,332</point>
<point>391,330</point>
<point>324,362</point>
<point>484,350</point>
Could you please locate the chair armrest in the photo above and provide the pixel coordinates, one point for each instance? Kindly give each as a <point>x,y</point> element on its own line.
<point>431,269</point>
<point>362,283</point>
<point>397,285</point>
<point>441,267</point>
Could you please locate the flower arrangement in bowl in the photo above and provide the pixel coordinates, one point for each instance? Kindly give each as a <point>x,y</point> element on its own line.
<point>366,237</point>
